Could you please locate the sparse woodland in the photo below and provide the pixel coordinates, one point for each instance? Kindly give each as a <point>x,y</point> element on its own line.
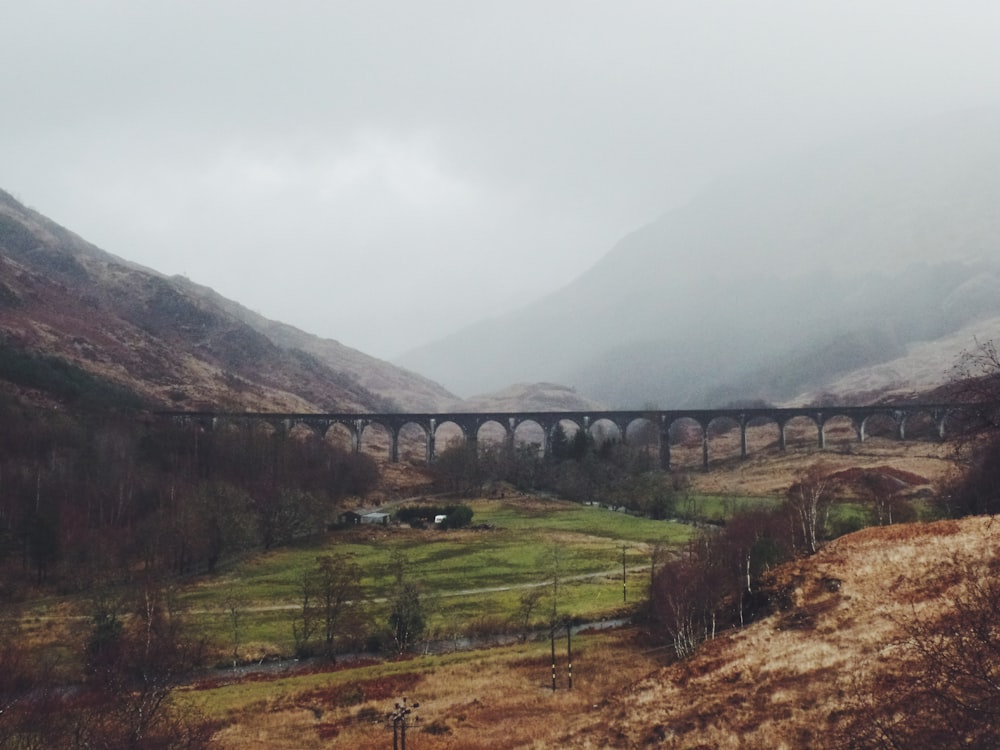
<point>113,511</point>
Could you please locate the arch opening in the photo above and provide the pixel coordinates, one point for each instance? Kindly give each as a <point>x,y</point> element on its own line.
<point>340,436</point>
<point>763,434</point>
<point>448,435</point>
<point>643,434</point>
<point>881,426</point>
<point>492,433</point>
<point>529,434</point>
<point>605,432</point>
<point>686,436</point>
<point>375,440</point>
<point>921,426</point>
<point>411,443</point>
<point>302,432</point>
<point>840,432</point>
<point>724,437</point>
<point>801,432</point>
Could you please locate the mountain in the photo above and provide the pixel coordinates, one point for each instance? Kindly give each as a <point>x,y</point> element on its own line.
<point>529,397</point>
<point>770,283</point>
<point>79,324</point>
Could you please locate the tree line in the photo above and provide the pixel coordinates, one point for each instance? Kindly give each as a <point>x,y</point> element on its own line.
<point>113,508</point>
<point>582,468</point>
<point>85,498</point>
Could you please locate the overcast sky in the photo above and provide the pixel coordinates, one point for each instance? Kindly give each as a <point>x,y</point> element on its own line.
<point>383,172</point>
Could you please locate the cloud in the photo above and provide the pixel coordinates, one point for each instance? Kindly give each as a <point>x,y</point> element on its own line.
<point>478,152</point>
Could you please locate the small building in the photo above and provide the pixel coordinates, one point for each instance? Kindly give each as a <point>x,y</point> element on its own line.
<point>440,519</point>
<point>349,518</point>
<point>375,518</point>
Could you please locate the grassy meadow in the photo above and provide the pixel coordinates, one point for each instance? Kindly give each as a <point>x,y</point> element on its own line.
<point>471,581</point>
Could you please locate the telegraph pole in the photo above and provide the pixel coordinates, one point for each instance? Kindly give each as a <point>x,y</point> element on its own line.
<point>624,588</point>
<point>398,718</point>
<point>552,638</point>
<point>555,611</point>
<point>569,650</point>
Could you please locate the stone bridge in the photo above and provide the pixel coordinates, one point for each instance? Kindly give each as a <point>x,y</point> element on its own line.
<point>659,421</point>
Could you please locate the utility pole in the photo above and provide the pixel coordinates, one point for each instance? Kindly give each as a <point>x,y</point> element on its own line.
<point>552,638</point>
<point>569,650</point>
<point>398,718</point>
<point>624,588</point>
<point>555,611</point>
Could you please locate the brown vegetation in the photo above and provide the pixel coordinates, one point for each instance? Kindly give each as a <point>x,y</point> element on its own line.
<point>501,698</point>
<point>849,623</point>
<point>789,680</point>
<point>770,471</point>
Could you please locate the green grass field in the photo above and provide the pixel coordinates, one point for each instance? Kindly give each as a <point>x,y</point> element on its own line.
<point>714,508</point>
<point>471,580</point>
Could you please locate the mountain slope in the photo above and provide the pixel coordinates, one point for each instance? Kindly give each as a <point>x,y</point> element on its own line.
<point>804,676</point>
<point>407,390</point>
<point>171,342</point>
<point>770,282</point>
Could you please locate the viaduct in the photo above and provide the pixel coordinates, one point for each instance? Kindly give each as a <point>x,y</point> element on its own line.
<point>660,421</point>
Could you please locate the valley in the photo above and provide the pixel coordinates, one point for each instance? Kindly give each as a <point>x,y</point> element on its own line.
<point>526,557</point>
<point>185,566</point>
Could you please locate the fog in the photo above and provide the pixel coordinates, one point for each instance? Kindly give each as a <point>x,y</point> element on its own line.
<point>383,173</point>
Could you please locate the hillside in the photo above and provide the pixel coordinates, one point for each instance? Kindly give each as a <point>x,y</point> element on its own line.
<point>166,341</point>
<point>920,368</point>
<point>771,283</point>
<point>407,390</point>
<point>804,674</point>
<point>529,397</point>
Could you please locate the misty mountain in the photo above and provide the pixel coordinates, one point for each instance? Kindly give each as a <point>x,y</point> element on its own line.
<point>77,323</point>
<point>771,282</point>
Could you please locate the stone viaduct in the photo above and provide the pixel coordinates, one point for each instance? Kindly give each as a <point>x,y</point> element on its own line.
<point>661,421</point>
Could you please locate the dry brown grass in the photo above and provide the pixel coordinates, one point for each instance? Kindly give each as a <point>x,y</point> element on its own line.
<point>768,470</point>
<point>780,683</point>
<point>500,698</point>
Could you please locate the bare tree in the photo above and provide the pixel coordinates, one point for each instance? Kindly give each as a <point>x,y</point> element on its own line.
<point>233,606</point>
<point>527,605</point>
<point>884,492</point>
<point>809,501</point>
<point>331,600</point>
<point>407,617</point>
<point>976,382</point>
<point>687,597</point>
<point>338,581</point>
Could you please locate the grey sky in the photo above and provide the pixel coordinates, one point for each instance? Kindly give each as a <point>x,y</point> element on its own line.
<point>382,172</point>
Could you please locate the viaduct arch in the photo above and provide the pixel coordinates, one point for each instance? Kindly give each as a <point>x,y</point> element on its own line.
<point>469,423</point>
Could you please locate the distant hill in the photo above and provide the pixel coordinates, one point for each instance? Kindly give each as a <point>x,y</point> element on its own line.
<point>771,284</point>
<point>530,397</point>
<point>78,324</point>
